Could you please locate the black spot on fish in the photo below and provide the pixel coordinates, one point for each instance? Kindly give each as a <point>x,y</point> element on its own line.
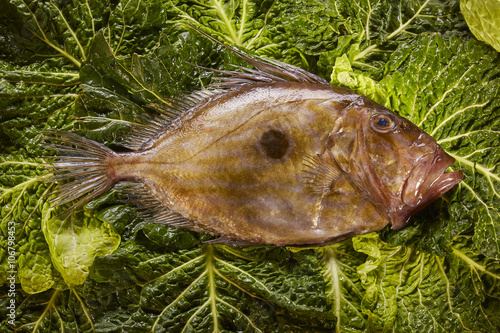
<point>274,144</point>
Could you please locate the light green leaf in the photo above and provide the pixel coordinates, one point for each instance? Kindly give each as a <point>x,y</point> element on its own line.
<point>409,291</point>
<point>21,198</point>
<point>74,242</point>
<point>343,75</point>
<point>483,18</point>
<point>344,289</point>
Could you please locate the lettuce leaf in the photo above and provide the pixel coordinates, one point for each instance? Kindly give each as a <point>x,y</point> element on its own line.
<point>94,66</point>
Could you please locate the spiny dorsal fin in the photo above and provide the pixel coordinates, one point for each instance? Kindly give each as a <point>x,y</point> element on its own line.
<point>267,70</point>
<point>166,113</point>
<point>278,69</point>
<point>319,172</point>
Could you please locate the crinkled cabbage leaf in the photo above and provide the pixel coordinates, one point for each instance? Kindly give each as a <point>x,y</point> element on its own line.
<point>94,67</point>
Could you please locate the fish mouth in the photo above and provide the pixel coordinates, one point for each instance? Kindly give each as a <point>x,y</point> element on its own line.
<point>426,182</point>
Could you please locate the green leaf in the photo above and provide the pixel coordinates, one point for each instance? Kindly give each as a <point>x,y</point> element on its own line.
<point>344,289</point>
<point>133,26</point>
<point>239,22</point>
<point>53,310</point>
<point>483,18</point>
<point>407,290</point>
<point>74,241</point>
<point>60,28</point>
<point>209,288</point>
<point>369,31</point>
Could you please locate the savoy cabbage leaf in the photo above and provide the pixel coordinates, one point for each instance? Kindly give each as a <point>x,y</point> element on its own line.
<point>95,67</point>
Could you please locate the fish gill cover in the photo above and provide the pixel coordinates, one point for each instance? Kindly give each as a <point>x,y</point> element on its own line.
<point>94,66</point>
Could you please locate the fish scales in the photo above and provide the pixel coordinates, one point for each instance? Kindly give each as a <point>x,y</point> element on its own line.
<point>284,160</point>
<point>249,192</point>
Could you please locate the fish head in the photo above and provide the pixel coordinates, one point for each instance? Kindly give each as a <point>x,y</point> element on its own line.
<point>399,166</point>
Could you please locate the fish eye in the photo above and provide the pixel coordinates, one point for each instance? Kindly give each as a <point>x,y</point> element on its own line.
<point>382,123</point>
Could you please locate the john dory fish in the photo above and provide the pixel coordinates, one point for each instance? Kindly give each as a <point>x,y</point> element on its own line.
<point>274,155</point>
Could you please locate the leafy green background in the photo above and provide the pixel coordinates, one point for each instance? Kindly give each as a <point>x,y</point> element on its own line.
<point>94,66</point>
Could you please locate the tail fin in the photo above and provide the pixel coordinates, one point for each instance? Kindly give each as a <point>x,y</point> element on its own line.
<point>82,161</point>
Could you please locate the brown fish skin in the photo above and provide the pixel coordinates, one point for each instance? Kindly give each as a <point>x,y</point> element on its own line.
<point>278,157</point>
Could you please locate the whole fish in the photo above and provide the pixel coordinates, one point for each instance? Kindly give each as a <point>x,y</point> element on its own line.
<point>273,155</point>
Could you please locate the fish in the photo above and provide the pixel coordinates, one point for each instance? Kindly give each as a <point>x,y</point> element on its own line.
<point>270,154</point>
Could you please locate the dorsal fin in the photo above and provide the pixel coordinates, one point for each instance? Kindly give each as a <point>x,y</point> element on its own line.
<point>166,113</point>
<point>267,70</point>
<point>279,70</point>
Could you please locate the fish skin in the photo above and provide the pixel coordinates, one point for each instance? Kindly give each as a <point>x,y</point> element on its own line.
<point>227,183</point>
<point>275,161</point>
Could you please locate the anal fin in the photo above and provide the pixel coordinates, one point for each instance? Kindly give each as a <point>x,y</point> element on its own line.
<point>136,195</point>
<point>328,241</point>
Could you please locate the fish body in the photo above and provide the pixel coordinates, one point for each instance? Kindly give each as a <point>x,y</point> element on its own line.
<point>238,166</point>
<point>276,157</point>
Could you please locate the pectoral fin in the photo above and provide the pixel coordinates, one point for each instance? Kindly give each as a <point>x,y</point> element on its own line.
<point>319,172</point>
